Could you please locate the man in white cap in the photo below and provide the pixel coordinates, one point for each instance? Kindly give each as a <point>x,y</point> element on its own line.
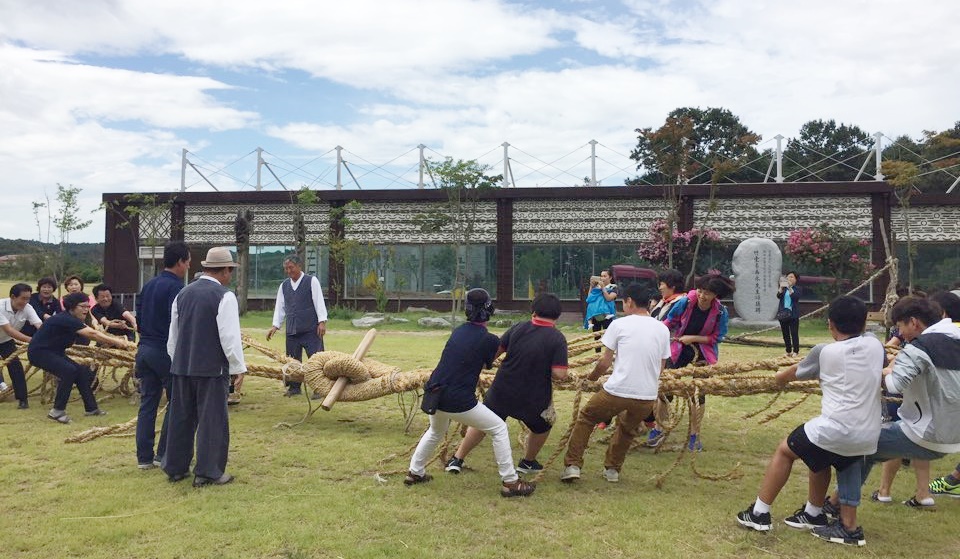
<point>205,350</point>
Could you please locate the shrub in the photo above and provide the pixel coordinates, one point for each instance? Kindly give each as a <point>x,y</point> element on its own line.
<point>656,250</point>
<point>825,251</point>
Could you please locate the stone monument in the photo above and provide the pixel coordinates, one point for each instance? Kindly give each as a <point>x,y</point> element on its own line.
<point>757,265</point>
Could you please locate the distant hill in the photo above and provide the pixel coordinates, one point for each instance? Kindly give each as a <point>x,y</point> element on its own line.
<point>87,252</point>
<point>83,259</point>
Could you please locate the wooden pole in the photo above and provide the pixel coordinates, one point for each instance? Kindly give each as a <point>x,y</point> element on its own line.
<point>342,382</point>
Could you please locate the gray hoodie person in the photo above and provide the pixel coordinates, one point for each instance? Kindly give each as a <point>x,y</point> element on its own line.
<point>927,373</point>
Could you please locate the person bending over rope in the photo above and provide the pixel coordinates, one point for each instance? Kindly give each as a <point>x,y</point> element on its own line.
<point>846,429</point>
<point>15,313</point>
<point>523,388</point>
<point>469,349</point>
<point>922,498</point>
<point>48,347</point>
<point>642,346</point>
<point>698,323</point>
<point>670,284</point>
<point>950,483</point>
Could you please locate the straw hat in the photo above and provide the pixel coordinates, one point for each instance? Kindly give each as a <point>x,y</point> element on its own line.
<point>219,257</point>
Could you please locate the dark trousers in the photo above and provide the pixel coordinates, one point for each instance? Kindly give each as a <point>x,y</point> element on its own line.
<point>791,334</point>
<point>15,368</point>
<point>69,374</point>
<point>297,344</point>
<point>153,370</point>
<point>198,411</point>
<point>599,325</point>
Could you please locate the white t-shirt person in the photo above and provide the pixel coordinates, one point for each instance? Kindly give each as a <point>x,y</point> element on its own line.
<point>15,319</point>
<point>849,373</point>
<point>641,344</point>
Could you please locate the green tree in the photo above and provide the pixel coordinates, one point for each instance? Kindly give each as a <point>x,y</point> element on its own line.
<point>693,146</point>
<point>67,220</point>
<point>463,182</point>
<point>826,151</point>
<point>682,151</point>
<point>902,175</point>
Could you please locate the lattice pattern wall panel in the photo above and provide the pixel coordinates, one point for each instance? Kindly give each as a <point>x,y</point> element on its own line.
<point>927,223</point>
<point>584,221</point>
<point>272,223</point>
<point>154,224</point>
<point>394,223</point>
<point>774,218</point>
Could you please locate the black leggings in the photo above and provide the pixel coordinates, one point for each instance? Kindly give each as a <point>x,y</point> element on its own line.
<point>791,334</point>
<point>600,325</point>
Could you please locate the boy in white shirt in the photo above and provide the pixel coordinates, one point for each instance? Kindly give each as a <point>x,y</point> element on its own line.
<point>642,346</point>
<point>846,430</point>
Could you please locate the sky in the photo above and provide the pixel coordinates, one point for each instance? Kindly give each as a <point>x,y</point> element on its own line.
<point>105,94</point>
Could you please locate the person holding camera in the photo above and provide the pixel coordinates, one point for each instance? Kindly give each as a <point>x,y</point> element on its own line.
<point>788,313</point>
<point>601,303</point>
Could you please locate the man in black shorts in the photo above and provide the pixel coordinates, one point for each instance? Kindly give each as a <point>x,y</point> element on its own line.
<point>523,388</point>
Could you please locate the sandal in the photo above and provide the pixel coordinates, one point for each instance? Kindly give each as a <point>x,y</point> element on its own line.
<point>62,417</point>
<point>518,488</point>
<point>413,479</point>
<point>925,504</point>
<point>877,497</point>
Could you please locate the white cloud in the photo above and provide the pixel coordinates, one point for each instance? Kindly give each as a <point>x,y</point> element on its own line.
<point>460,76</point>
<point>365,43</point>
<point>50,86</point>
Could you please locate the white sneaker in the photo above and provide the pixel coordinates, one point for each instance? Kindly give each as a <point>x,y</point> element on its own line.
<point>611,475</point>
<point>570,473</point>
<point>3,386</point>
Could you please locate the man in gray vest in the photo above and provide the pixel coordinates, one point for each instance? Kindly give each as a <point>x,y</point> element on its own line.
<point>205,350</point>
<point>301,309</point>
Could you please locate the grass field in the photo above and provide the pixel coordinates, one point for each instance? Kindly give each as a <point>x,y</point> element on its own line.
<point>313,490</point>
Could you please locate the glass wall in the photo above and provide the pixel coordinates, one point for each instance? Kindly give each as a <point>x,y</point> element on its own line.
<point>563,269</point>
<point>266,267</point>
<point>417,270</point>
<point>935,265</point>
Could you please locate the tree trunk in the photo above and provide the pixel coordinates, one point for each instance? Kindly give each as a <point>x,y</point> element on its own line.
<point>243,228</point>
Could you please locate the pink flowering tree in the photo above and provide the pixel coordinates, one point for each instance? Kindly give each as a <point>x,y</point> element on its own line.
<point>657,249</point>
<point>824,250</point>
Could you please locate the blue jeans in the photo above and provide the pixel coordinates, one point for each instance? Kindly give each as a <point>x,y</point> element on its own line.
<point>153,370</point>
<point>849,483</point>
<point>894,444</point>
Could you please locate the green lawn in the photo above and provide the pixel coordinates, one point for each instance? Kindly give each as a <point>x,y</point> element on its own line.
<point>312,491</point>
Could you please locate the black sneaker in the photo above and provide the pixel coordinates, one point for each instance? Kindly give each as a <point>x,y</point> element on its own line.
<point>759,522</point>
<point>455,465</point>
<point>831,510</point>
<point>800,519</point>
<point>836,533</point>
<point>529,467</point>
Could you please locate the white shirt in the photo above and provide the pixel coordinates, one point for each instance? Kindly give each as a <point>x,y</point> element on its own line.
<point>228,326</point>
<point>641,344</point>
<point>850,376</point>
<point>16,319</point>
<point>279,313</point>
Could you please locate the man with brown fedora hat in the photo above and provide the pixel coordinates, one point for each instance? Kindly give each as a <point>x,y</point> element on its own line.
<point>205,350</point>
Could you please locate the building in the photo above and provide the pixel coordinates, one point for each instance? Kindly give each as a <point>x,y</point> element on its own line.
<point>523,239</point>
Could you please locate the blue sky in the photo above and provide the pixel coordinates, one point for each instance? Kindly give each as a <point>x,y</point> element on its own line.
<point>105,94</point>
